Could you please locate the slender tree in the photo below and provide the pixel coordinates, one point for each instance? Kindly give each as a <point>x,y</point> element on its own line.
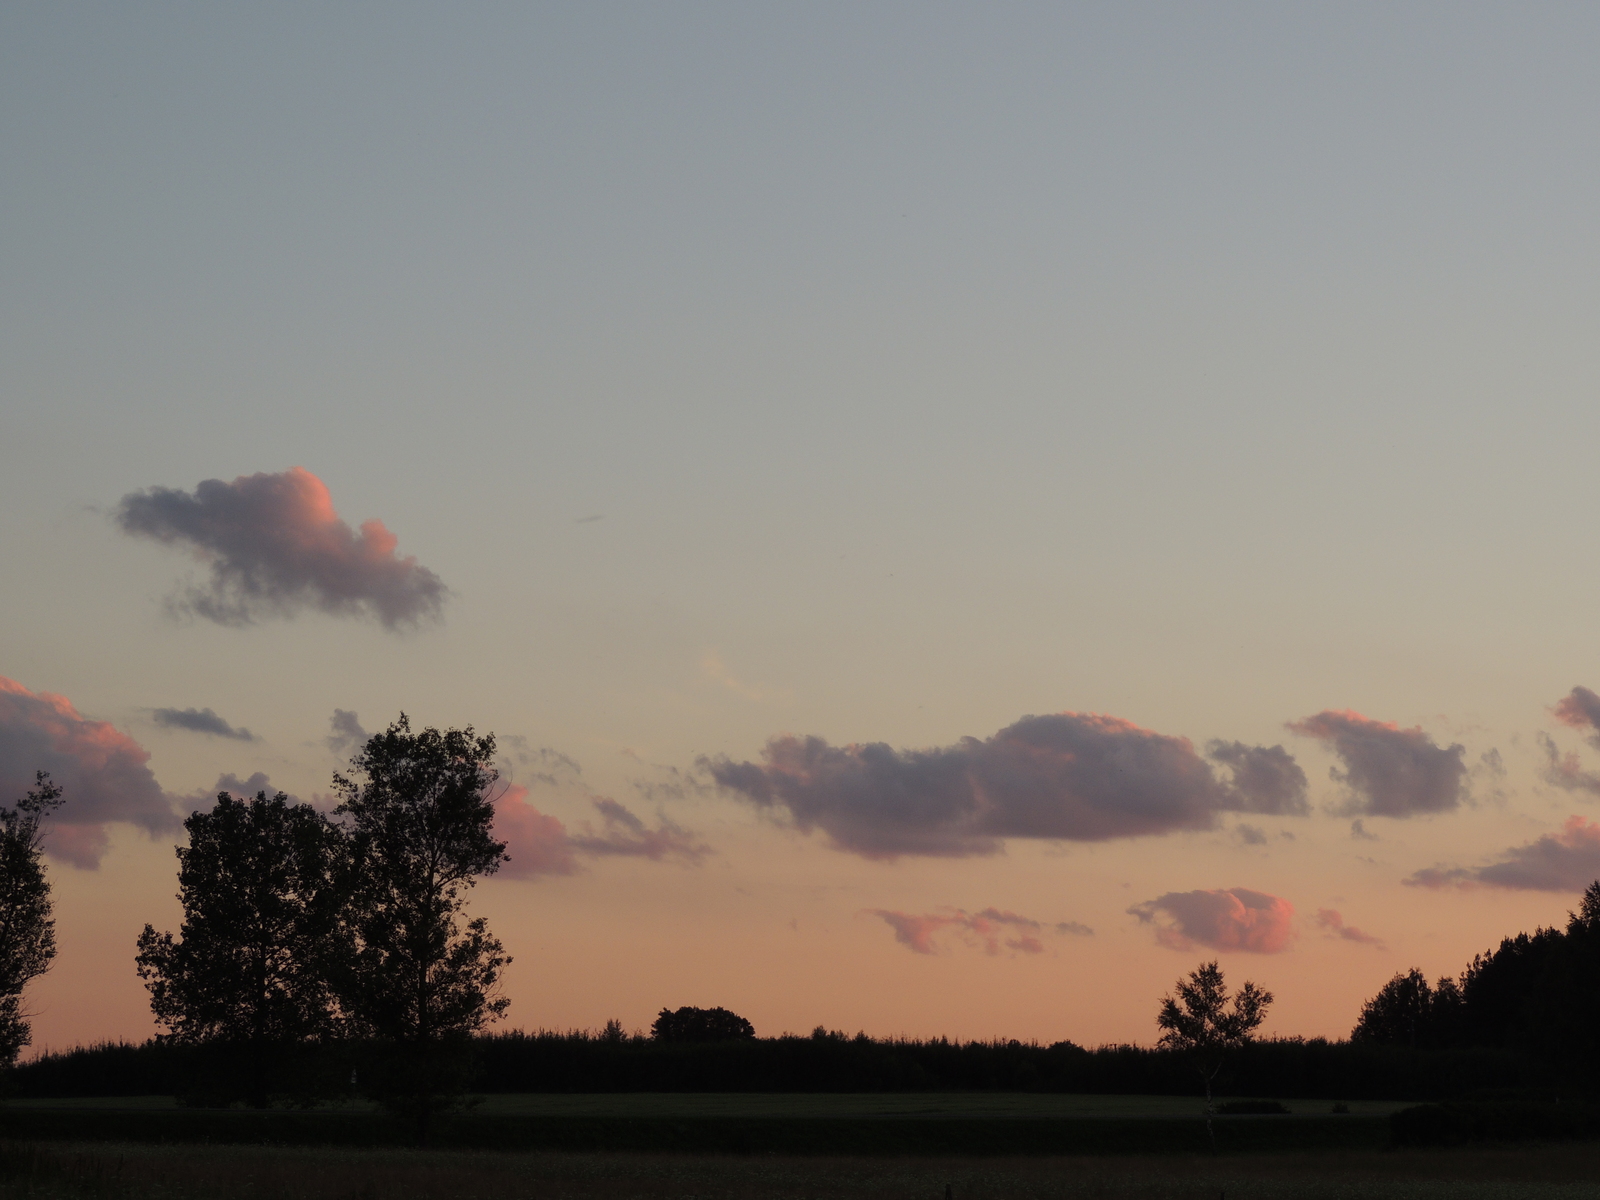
<point>420,981</point>
<point>263,885</point>
<point>1200,1022</point>
<point>27,929</point>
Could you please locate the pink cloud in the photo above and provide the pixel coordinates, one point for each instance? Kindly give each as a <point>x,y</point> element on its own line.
<point>990,928</point>
<point>102,772</point>
<point>1391,772</point>
<point>1224,919</point>
<point>1568,861</point>
<point>539,844</point>
<point>276,546</point>
<point>1329,919</point>
<point>536,841</point>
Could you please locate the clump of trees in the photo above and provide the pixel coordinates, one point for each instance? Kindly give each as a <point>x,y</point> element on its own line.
<point>1534,994</point>
<point>303,934</point>
<point>700,1025</point>
<point>27,928</point>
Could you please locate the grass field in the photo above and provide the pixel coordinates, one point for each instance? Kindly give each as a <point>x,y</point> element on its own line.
<point>792,1106</point>
<point>138,1172</point>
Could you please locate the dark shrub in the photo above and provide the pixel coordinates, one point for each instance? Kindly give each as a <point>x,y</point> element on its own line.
<point>1253,1108</point>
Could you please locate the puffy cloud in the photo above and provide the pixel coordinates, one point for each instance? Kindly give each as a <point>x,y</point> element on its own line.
<point>536,841</point>
<point>991,928</point>
<point>1329,919</point>
<point>1250,835</point>
<point>539,844</point>
<point>1225,919</point>
<point>346,735</point>
<point>275,546</point>
<point>101,770</point>
<point>1568,861</point>
<point>199,720</point>
<point>1266,779</point>
<point>1580,709</point>
<point>1070,776</point>
<point>1391,772</point>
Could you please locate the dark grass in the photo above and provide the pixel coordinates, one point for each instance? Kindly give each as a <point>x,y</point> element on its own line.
<point>819,1135</point>
<point>68,1171</point>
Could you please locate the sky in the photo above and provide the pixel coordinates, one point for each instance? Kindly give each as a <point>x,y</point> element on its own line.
<point>955,514</point>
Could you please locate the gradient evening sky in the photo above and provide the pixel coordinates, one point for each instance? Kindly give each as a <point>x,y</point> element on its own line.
<point>878,373</point>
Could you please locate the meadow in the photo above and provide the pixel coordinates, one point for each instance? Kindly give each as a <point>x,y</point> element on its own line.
<point>146,1172</point>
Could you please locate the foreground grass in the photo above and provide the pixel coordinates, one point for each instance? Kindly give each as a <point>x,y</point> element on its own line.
<point>140,1172</point>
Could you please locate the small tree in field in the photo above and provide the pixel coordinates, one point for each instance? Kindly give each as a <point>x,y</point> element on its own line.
<point>27,929</point>
<point>1200,1022</point>
<point>421,819</point>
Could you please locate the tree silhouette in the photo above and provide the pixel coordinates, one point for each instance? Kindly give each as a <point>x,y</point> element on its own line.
<point>27,929</point>
<point>262,887</point>
<point>421,820</point>
<point>1199,1022</point>
<point>700,1025</point>
<point>1408,1012</point>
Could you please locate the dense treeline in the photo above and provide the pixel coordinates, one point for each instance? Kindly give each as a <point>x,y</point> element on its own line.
<point>1533,995</point>
<point>836,1062</point>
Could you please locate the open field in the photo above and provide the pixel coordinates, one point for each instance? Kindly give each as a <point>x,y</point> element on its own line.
<point>65,1171</point>
<point>802,1105</point>
<point>974,1123</point>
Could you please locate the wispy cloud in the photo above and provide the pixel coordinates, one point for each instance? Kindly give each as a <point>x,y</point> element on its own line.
<point>991,929</point>
<point>275,547</point>
<point>541,844</point>
<point>1329,919</point>
<point>199,720</point>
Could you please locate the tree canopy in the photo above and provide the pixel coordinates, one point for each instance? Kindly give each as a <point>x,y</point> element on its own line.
<point>421,816</point>
<point>27,927</point>
<point>263,885</point>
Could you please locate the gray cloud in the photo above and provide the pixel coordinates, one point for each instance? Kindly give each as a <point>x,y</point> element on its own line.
<point>621,833</point>
<point>101,770</point>
<point>1580,709</point>
<point>1568,861</point>
<point>1250,835</point>
<point>275,546</point>
<point>1068,776</point>
<point>1266,778</point>
<point>241,789</point>
<point>346,736</point>
<point>1390,772</point>
<point>199,720</point>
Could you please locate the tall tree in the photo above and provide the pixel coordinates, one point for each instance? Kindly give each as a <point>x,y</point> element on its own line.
<point>27,928</point>
<point>263,888</point>
<point>1201,1023</point>
<point>421,981</point>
